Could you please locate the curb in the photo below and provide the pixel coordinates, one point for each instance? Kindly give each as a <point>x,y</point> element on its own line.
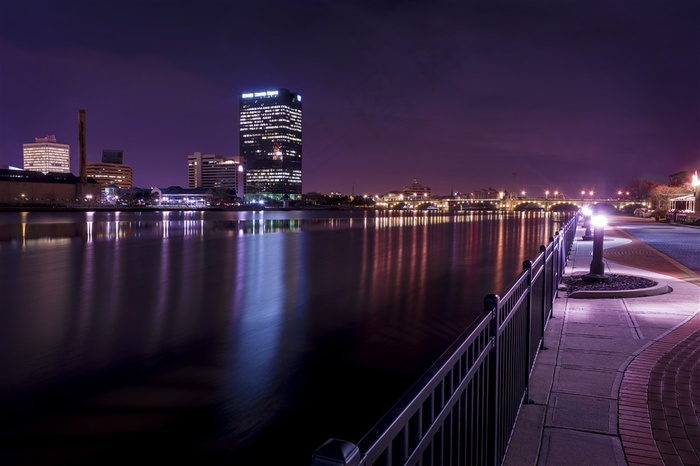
<point>659,288</point>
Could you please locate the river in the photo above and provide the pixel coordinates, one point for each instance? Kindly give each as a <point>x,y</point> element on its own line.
<point>232,331</point>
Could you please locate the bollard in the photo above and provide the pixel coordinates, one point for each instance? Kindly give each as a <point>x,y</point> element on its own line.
<point>597,269</point>
<point>336,452</point>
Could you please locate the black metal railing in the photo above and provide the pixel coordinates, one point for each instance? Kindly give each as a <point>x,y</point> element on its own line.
<point>463,409</point>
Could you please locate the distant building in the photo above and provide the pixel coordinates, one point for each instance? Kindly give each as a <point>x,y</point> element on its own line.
<point>182,197</point>
<point>46,155</point>
<point>119,174</point>
<point>112,170</point>
<point>216,171</point>
<point>24,187</point>
<point>112,156</point>
<point>680,178</point>
<point>417,190</point>
<point>270,141</point>
<point>488,193</point>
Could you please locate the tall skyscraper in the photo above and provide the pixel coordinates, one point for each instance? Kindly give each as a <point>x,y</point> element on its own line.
<point>216,171</point>
<point>270,141</point>
<point>46,155</point>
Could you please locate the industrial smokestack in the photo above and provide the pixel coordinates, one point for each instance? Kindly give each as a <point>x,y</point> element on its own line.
<point>81,142</point>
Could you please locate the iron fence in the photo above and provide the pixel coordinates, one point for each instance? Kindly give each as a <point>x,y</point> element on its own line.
<point>463,409</point>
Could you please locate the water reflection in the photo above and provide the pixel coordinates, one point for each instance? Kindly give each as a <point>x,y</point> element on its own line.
<point>296,310</point>
<point>36,228</point>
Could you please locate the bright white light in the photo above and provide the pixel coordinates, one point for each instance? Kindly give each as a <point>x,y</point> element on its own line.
<point>587,211</point>
<point>247,95</point>
<point>240,168</point>
<point>599,221</point>
<point>272,93</point>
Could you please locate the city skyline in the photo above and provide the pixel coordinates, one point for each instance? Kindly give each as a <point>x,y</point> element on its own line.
<point>536,96</point>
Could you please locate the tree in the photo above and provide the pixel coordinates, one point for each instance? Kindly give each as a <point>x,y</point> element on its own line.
<point>641,189</point>
<point>662,193</point>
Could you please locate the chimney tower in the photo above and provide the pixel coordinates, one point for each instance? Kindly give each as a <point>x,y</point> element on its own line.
<point>81,142</point>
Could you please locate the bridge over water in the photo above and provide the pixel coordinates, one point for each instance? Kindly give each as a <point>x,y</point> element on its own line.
<point>511,204</point>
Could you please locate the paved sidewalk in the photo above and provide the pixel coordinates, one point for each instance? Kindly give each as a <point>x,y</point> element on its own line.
<point>620,381</point>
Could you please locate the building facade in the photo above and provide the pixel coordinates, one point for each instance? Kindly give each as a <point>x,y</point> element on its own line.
<point>46,155</point>
<point>104,173</point>
<point>417,190</point>
<point>112,170</point>
<point>216,171</point>
<point>112,156</point>
<point>31,188</point>
<point>270,141</point>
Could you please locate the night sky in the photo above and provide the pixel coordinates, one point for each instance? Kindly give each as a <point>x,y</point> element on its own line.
<point>521,95</point>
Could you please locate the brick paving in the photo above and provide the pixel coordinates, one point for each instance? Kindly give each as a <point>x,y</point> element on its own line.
<point>659,401</point>
<point>596,403</point>
<point>659,397</point>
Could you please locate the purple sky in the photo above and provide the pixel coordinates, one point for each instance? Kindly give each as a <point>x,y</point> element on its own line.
<point>460,96</point>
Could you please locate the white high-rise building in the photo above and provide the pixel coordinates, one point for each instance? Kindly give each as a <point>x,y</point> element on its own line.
<point>46,155</point>
<point>216,171</point>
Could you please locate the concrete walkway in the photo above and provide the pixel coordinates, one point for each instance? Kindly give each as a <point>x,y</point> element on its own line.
<point>620,381</point>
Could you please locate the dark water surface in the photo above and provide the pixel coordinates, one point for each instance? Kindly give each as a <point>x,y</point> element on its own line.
<point>214,335</point>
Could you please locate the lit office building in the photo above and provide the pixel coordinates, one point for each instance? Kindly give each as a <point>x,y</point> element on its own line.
<point>270,141</point>
<point>112,170</point>
<point>216,171</point>
<point>104,173</point>
<point>46,155</point>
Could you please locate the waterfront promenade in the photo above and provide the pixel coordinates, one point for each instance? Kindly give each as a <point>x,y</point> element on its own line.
<point>620,381</point>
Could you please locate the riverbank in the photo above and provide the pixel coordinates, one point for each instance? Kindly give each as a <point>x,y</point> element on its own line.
<point>612,387</point>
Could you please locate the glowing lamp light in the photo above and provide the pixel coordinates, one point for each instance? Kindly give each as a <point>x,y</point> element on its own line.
<point>599,221</point>
<point>587,211</point>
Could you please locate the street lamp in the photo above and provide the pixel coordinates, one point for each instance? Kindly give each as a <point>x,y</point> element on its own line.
<point>546,193</point>
<point>695,182</point>
<point>597,269</point>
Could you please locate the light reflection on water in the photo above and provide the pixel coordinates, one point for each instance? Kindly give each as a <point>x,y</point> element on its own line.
<point>37,228</point>
<point>295,310</point>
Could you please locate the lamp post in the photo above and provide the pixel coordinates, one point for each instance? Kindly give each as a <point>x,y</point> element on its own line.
<point>597,270</point>
<point>587,235</point>
<point>696,200</point>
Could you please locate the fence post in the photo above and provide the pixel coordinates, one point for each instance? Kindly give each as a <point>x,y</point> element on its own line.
<point>491,302</point>
<point>336,452</point>
<point>543,309</point>
<point>527,267</point>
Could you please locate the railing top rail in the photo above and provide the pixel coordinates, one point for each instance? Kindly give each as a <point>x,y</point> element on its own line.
<point>423,387</point>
